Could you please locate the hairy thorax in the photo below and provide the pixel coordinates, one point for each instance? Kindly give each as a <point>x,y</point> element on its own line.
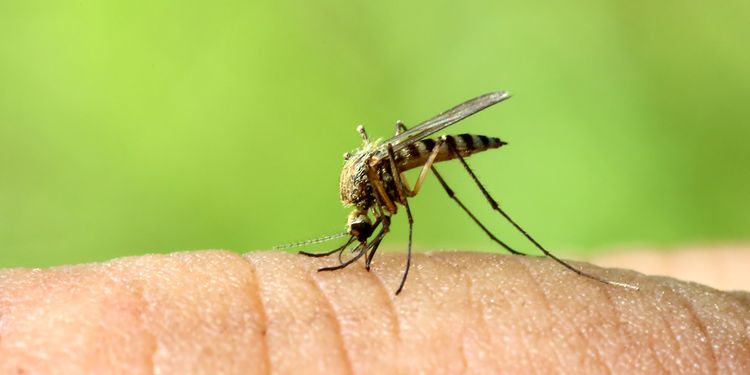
<point>354,185</point>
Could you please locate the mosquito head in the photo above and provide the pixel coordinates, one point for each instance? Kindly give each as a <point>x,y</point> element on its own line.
<point>359,225</point>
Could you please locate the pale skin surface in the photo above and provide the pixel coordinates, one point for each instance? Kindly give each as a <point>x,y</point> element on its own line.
<point>219,312</point>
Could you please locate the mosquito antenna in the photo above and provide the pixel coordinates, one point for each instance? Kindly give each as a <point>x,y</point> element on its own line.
<point>312,241</point>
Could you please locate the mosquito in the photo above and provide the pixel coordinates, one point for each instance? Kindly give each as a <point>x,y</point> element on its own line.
<point>373,183</point>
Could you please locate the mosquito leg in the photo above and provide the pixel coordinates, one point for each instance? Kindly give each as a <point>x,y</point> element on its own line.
<point>341,253</point>
<point>356,250</point>
<point>380,194</point>
<point>348,262</point>
<point>402,197</point>
<point>378,212</point>
<point>423,173</point>
<point>453,196</point>
<point>400,127</point>
<point>327,253</point>
<point>386,229</point>
<point>496,207</point>
<point>363,249</point>
<point>409,192</point>
<point>428,165</point>
<point>371,253</point>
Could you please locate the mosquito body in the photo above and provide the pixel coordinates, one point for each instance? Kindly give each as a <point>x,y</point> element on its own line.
<point>358,190</point>
<point>373,183</point>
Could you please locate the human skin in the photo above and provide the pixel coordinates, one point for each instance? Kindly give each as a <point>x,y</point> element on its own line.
<point>219,312</point>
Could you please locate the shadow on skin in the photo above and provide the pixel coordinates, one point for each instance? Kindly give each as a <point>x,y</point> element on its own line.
<point>218,312</point>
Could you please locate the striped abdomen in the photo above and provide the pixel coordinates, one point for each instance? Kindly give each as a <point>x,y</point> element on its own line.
<point>416,154</point>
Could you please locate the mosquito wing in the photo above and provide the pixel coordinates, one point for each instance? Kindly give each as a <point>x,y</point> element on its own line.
<point>442,121</point>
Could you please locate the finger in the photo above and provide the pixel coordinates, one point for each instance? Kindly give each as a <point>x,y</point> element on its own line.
<point>485,313</point>
<point>191,312</point>
<point>215,312</point>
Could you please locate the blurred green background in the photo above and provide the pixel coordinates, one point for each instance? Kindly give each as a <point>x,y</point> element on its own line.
<point>130,127</point>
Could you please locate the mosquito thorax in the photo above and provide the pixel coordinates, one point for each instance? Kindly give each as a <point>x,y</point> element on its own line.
<point>354,185</point>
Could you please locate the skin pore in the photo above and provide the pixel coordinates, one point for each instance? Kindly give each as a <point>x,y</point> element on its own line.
<point>271,312</point>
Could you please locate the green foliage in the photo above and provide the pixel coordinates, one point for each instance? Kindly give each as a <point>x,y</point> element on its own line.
<point>154,126</point>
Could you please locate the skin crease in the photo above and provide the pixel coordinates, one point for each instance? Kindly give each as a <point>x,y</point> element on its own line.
<point>270,312</point>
